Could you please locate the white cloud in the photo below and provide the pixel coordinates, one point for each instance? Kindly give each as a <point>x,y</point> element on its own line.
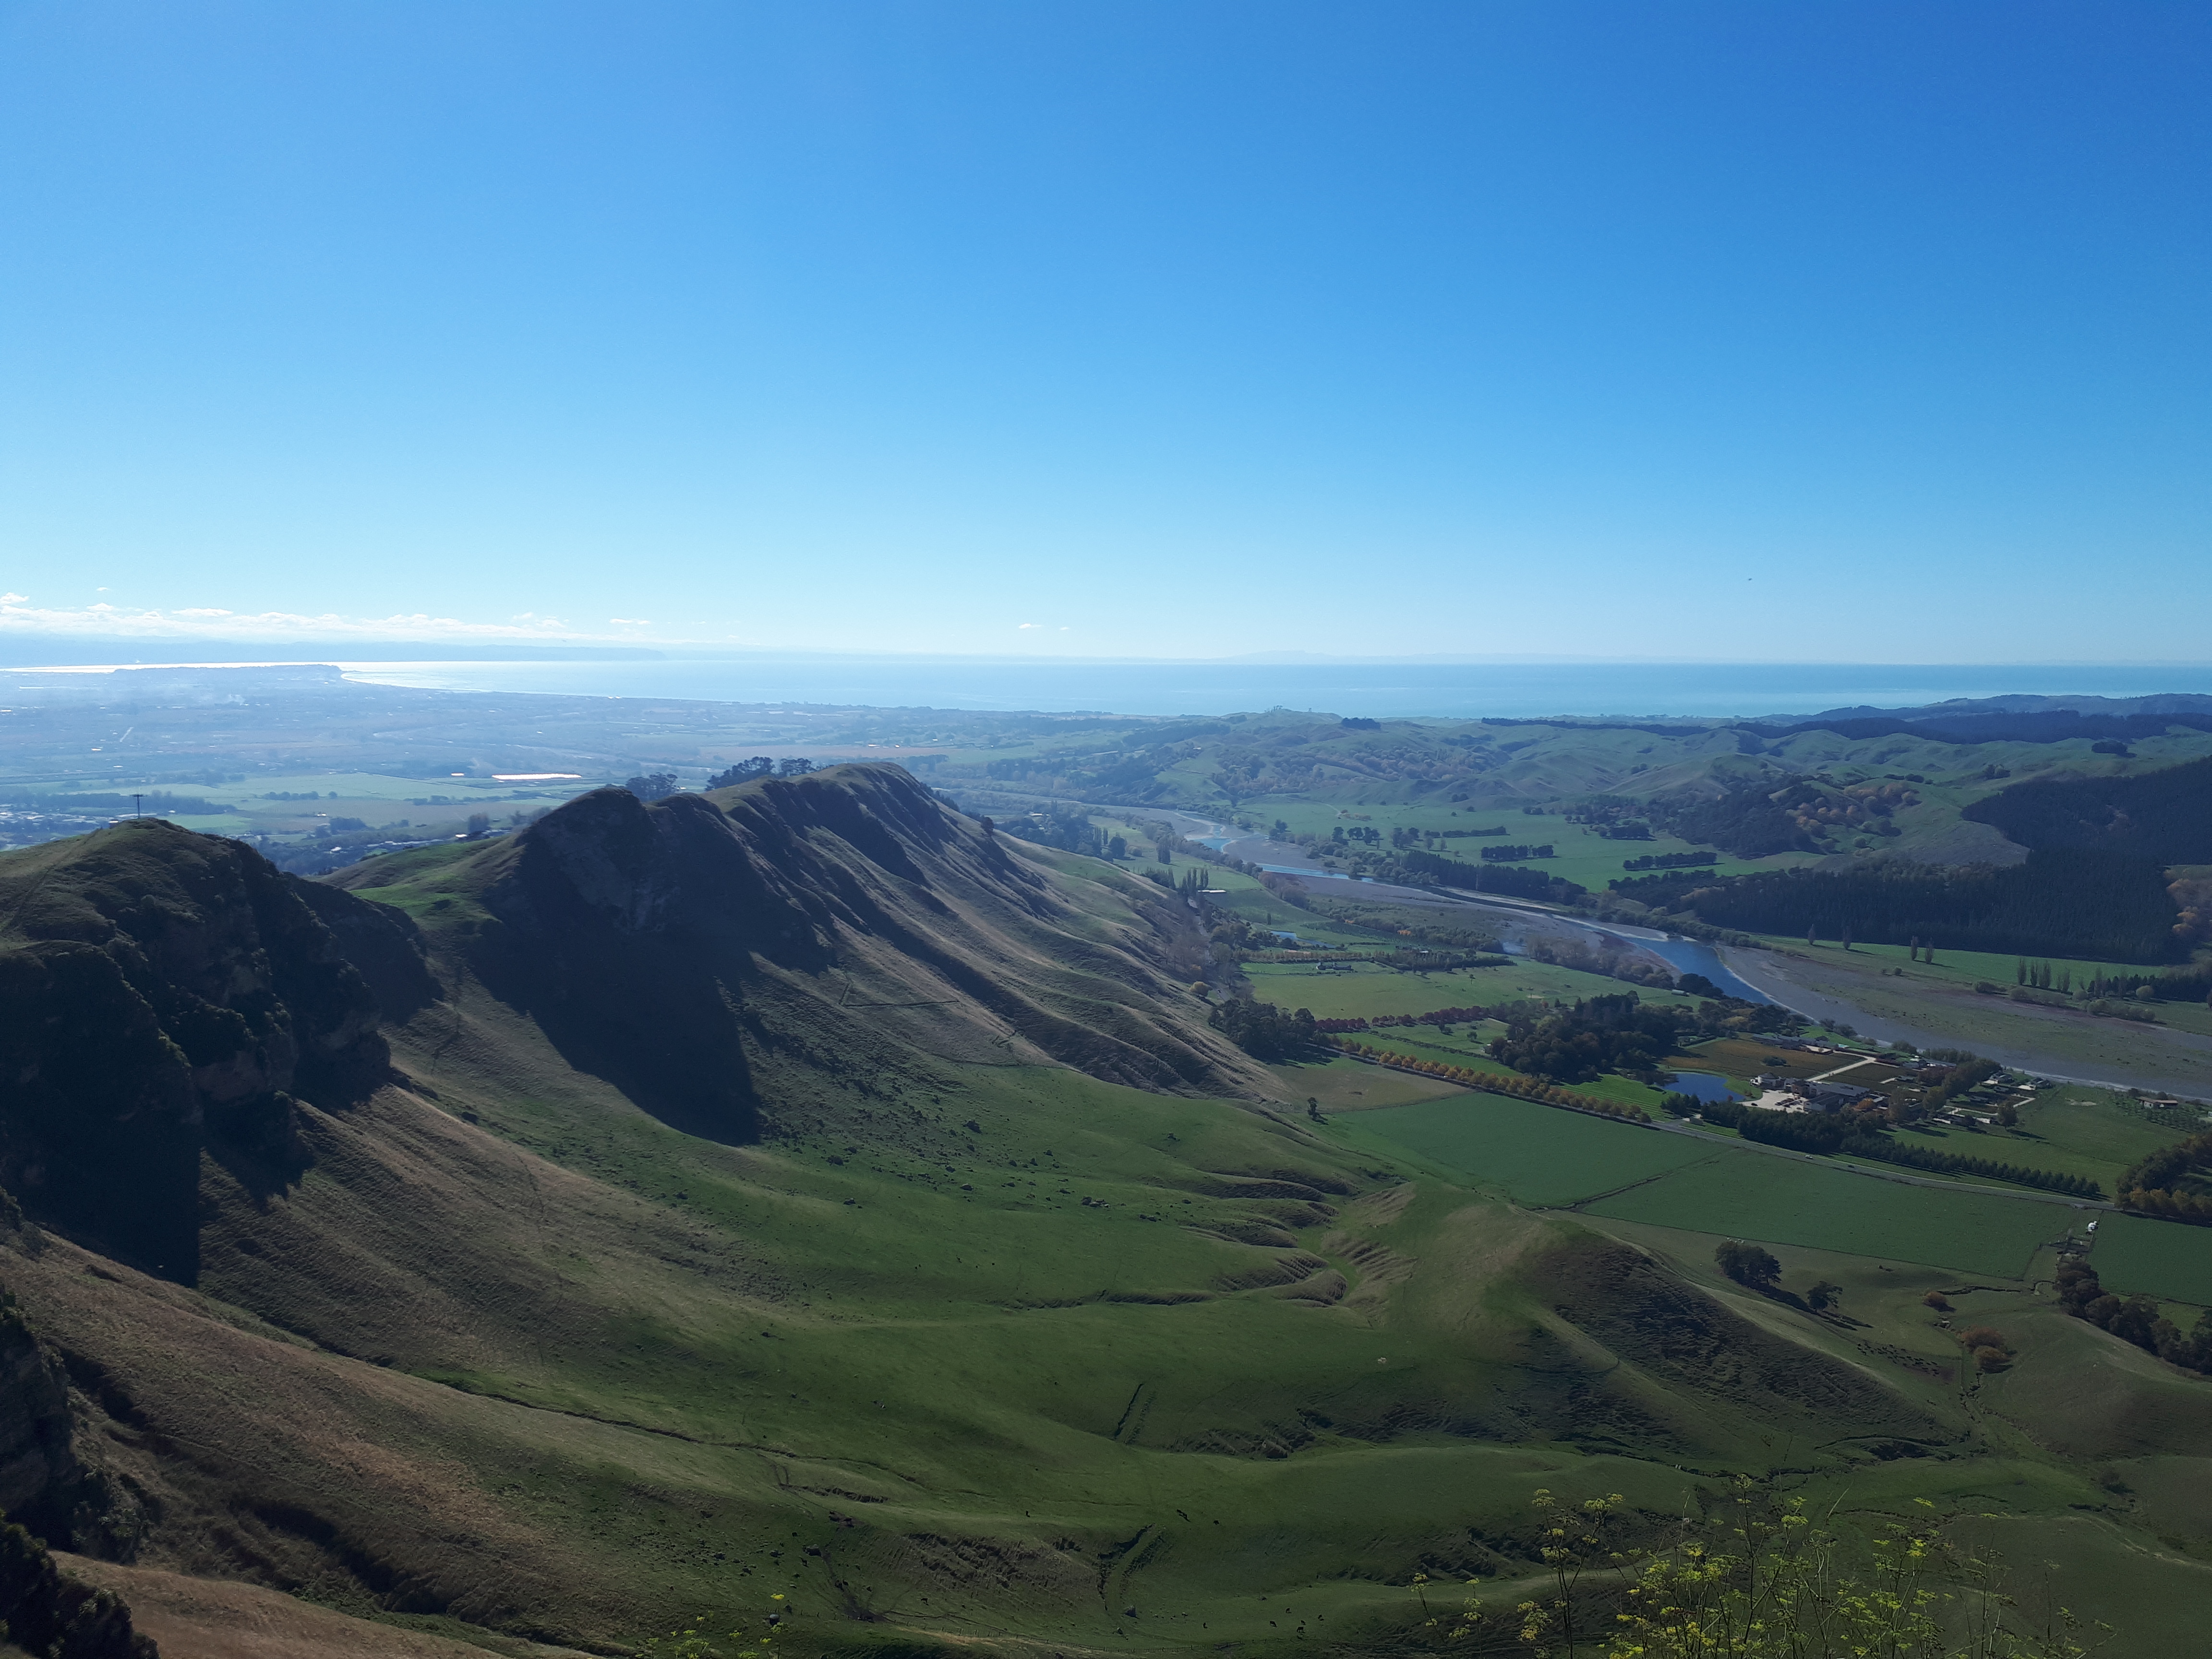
<point>19,616</point>
<point>632,622</point>
<point>1019,626</point>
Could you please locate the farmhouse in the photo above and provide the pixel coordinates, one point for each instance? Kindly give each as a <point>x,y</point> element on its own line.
<point>1831,1096</point>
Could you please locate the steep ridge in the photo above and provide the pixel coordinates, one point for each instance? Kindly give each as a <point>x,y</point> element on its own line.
<point>167,994</point>
<point>678,949</point>
<point>798,1190</point>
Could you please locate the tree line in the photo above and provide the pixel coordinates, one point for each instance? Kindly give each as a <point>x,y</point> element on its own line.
<point>1670,861</point>
<point>760,766</point>
<point>1438,870</point>
<point>1808,1132</point>
<point>1520,1088</point>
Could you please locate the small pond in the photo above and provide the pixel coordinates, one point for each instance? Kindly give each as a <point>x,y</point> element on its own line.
<point>1705,1085</point>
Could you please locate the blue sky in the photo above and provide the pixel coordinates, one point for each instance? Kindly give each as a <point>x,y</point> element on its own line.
<point>1847,332</point>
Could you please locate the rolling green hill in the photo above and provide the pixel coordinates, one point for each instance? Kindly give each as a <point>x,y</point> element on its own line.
<point>800,1191</point>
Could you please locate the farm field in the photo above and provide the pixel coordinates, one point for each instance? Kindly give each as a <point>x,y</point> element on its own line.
<point>1581,854</point>
<point>1782,1200</point>
<point>1371,988</point>
<point>1347,1085</point>
<point>2074,1130</point>
<point>1544,1156</point>
<point>1537,1154</point>
<point>2162,1259</point>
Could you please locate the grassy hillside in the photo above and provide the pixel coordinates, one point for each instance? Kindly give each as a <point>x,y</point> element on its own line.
<point>797,1191</point>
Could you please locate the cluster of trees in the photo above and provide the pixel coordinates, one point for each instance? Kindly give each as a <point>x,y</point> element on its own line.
<point>1857,1137</point>
<point>2063,901</point>
<point>1947,1086</point>
<point>1521,1088</point>
<point>1263,1030</point>
<point>1747,1264</point>
<point>2133,1319</point>
<point>1596,1035</point>
<point>1750,822</point>
<point>1609,956</point>
<point>1517,850</point>
<point>2158,1184</point>
<point>760,766</point>
<point>1670,861</point>
<point>1436,870</point>
<point>2190,984</point>
<point>1071,832</point>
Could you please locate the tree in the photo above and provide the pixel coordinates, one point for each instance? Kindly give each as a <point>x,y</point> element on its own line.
<point>1747,1264</point>
<point>479,825</point>
<point>1823,1295</point>
<point>759,766</point>
<point>793,768</point>
<point>652,785</point>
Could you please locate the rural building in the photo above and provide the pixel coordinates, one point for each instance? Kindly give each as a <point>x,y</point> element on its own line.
<point>1832,1096</point>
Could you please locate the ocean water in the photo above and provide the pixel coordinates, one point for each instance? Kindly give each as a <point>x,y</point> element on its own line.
<point>1373,690</point>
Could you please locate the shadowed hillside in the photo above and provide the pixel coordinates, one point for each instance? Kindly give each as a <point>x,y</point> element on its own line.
<point>797,1191</point>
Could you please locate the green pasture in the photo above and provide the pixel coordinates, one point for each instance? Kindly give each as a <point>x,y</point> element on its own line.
<point>1349,1085</point>
<point>2072,1130</point>
<point>1580,854</point>
<point>1538,1154</point>
<point>2168,1259</point>
<point>1372,989</point>
<point>1782,1200</point>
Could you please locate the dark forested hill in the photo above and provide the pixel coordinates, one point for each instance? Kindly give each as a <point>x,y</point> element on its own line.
<point>2061,901</point>
<point>2164,815</point>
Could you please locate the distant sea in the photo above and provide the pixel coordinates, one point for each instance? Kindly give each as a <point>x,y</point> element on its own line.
<point>1374,690</point>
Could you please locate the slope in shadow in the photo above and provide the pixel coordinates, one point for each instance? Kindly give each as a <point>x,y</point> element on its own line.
<point>164,993</point>
<point>676,948</point>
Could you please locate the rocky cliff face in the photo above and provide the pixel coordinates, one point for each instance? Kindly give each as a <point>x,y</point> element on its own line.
<point>670,948</point>
<point>163,993</point>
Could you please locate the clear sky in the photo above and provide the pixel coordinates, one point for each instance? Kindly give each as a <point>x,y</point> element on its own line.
<point>1848,331</point>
